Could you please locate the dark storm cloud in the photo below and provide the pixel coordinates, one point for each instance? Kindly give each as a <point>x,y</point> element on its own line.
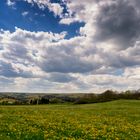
<point>119,20</point>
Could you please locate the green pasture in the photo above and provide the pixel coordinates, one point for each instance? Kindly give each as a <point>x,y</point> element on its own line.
<point>111,120</point>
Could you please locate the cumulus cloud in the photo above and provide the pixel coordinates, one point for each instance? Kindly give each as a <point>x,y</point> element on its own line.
<point>104,56</point>
<point>13,70</point>
<point>51,58</point>
<point>61,57</point>
<point>119,21</point>
<point>19,54</point>
<point>116,21</point>
<point>56,8</point>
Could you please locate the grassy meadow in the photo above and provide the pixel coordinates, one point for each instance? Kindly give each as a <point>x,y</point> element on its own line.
<point>111,120</point>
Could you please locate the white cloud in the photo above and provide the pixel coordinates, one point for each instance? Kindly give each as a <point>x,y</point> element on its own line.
<point>10,3</point>
<point>25,13</point>
<point>56,8</point>
<point>104,56</point>
<point>35,58</point>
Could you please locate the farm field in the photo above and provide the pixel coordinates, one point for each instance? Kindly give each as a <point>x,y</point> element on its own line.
<point>111,120</point>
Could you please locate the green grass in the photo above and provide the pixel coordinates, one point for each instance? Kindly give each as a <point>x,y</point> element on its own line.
<point>111,120</point>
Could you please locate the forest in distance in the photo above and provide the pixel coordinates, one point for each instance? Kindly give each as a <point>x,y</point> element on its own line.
<point>79,98</point>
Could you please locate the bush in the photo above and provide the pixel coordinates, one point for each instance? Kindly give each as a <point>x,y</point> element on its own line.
<point>108,95</point>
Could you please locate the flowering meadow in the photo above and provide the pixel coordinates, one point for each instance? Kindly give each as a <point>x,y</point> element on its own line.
<point>111,120</point>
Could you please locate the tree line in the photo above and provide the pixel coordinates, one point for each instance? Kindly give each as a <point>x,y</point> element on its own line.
<point>106,96</point>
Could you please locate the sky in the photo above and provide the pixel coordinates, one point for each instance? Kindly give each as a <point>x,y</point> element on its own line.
<point>69,46</point>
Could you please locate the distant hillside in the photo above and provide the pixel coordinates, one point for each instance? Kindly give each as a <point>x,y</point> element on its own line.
<point>77,98</point>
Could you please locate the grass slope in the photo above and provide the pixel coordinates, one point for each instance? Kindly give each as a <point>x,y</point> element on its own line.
<point>112,120</point>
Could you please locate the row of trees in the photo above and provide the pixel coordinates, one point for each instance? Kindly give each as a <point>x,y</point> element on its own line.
<point>108,95</point>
